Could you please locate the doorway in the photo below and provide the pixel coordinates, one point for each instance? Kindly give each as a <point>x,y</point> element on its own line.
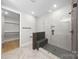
<point>10,30</point>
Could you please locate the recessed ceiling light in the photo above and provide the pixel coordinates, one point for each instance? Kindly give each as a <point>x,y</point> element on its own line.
<point>54,5</point>
<point>33,12</point>
<point>6,12</point>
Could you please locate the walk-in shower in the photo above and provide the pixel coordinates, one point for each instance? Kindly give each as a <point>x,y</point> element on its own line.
<point>60,27</point>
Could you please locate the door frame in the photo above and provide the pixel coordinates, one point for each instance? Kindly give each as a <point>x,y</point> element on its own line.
<point>74,21</point>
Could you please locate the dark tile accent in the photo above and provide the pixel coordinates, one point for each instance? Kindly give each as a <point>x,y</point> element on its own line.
<point>63,54</point>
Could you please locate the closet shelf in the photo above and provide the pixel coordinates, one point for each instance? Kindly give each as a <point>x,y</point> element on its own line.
<point>11,39</point>
<point>10,18</point>
<point>12,32</point>
<point>12,23</point>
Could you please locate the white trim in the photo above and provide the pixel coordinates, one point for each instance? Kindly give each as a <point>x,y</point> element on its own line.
<point>0,32</point>
<point>11,9</point>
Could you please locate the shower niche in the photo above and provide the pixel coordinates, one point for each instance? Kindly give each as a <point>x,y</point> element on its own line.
<point>10,30</point>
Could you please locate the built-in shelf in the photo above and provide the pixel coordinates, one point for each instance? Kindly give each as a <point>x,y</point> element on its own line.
<point>12,32</point>
<point>12,23</point>
<point>11,17</point>
<point>10,39</point>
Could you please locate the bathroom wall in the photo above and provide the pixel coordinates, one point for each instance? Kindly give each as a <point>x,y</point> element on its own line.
<point>27,27</point>
<point>60,22</point>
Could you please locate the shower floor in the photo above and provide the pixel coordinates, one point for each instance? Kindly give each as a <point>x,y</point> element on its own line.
<point>63,54</point>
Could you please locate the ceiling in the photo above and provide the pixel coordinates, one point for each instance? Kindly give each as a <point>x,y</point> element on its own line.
<point>38,7</point>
